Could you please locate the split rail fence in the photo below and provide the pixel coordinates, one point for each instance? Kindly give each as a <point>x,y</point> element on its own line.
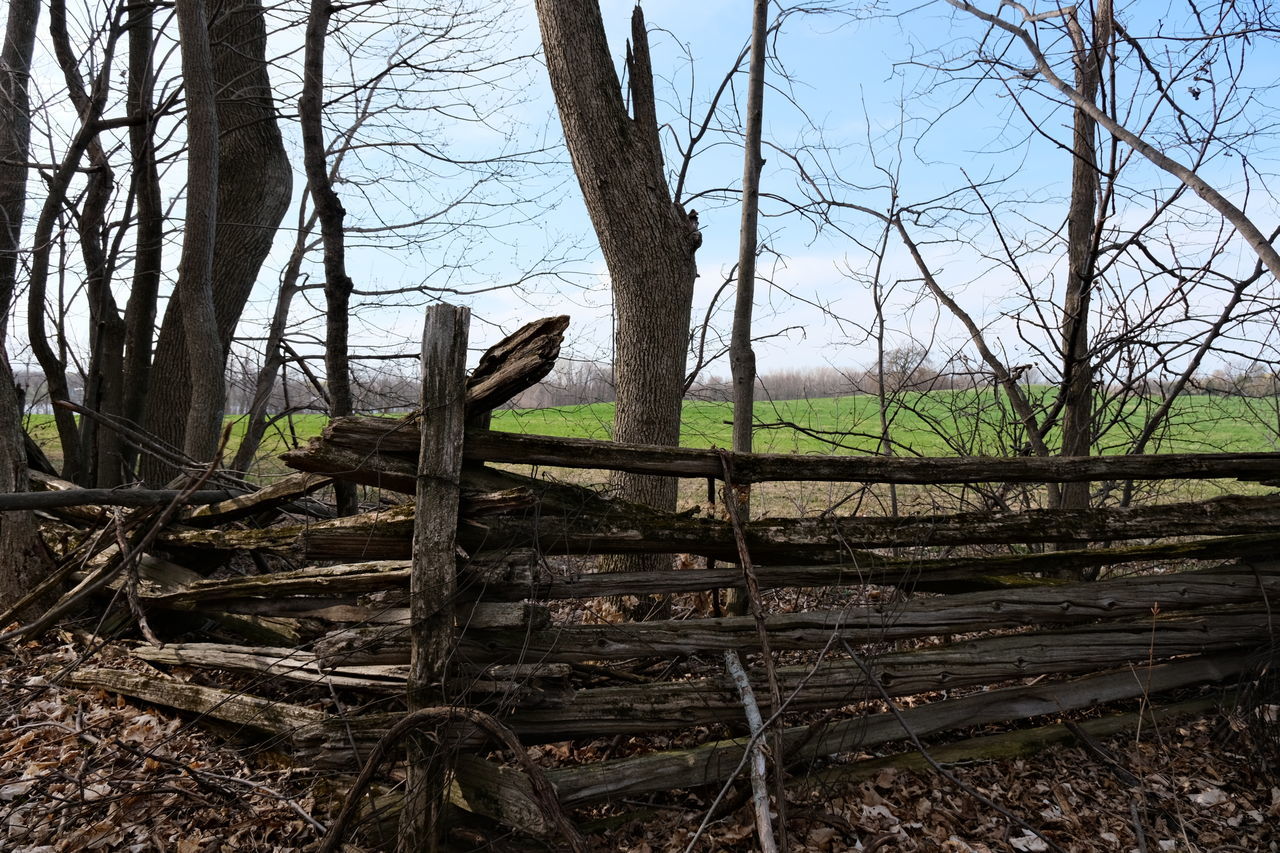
<point>451,600</point>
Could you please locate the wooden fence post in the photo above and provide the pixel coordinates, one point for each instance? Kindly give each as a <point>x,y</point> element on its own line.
<point>432,581</point>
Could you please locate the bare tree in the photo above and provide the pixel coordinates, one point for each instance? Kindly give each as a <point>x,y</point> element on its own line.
<point>195,289</point>
<point>648,241</point>
<point>1083,234</point>
<point>329,211</point>
<point>23,561</point>
<point>253,191</point>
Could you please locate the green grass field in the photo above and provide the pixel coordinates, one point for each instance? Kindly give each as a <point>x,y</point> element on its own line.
<point>945,423</point>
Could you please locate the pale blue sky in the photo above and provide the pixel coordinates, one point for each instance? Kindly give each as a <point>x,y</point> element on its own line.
<point>864,81</point>
<point>861,84</point>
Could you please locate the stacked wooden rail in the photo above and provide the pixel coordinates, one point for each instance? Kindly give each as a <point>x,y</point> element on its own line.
<point>1029,645</point>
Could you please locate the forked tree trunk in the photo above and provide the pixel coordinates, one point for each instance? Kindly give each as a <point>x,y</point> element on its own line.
<point>254,187</point>
<point>648,241</point>
<point>100,449</point>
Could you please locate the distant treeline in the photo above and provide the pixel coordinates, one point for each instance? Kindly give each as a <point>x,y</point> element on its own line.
<point>586,383</point>
<point>394,386</point>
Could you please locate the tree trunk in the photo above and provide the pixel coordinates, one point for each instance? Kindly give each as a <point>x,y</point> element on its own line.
<point>100,449</point>
<point>23,560</point>
<point>742,358</point>
<point>648,241</point>
<point>1082,241</point>
<point>15,141</point>
<point>253,191</point>
<point>140,310</point>
<point>256,421</point>
<point>89,103</point>
<point>204,387</point>
<point>337,284</point>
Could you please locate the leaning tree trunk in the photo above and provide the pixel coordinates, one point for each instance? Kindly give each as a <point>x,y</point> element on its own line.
<point>648,241</point>
<point>337,284</point>
<point>254,188</point>
<point>15,140</point>
<point>23,560</point>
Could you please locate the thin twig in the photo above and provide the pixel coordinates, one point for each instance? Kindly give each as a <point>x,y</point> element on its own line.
<point>752,584</point>
<point>759,771</point>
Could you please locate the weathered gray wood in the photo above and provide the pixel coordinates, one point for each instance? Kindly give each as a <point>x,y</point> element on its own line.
<point>287,663</point>
<point>383,452</point>
<point>664,706</point>
<point>433,578</point>
<point>517,362</point>
<point>670,705</point>
<point>366,466</point>
<point>484,615</point>
<point>1002,746</point>
<point>503,794</point>
<point>955,614</point>
<point>492,446</point>
<point>607,527</point>
<point>388,641</point>
<point>374,591</point>
<point>322,741</point>
<point>349,579</point>
<point>279,493</point>
<point>937,575</point>
<point>774,540</point>
<point>157,578</point>
<point>77,514</point>
<point>375,535</point>
<point>264,715</point>
<point>509,577</point>
<point>487,639</point>
<point>711,763</point>
<point>15,501</point>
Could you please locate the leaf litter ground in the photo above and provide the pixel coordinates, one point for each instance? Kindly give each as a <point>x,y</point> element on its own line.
<point>85,770</point>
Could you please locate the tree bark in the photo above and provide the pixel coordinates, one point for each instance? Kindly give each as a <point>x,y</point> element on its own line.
<point>337,284</point>
<point>647,240</point>
<point>253,191</point>
<point>15,142</point>
<point>204,387</point>
<point>1082,242</point>
<point>100,449</point>
<point>148,256</point>
<point>742,358</point>
<point>89,103</point>
<point>23,560</point>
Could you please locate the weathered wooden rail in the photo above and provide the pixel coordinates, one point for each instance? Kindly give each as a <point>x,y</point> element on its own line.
<point>453,597</point>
